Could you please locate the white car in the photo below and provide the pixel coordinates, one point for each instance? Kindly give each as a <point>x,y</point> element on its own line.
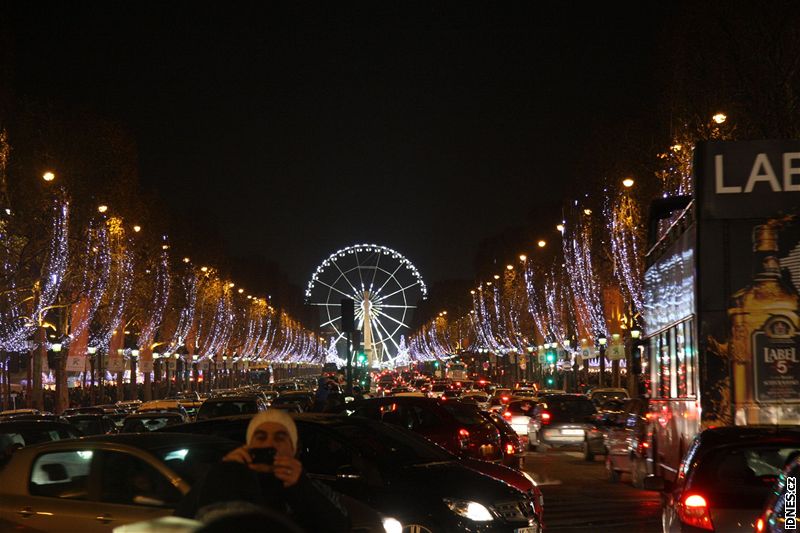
<point>518,413</point>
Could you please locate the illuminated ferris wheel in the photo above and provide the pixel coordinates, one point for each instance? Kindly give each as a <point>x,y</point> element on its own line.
<point>385,287</point>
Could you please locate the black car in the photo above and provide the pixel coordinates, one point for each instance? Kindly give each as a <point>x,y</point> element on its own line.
<point>565,420</point>
<point>230,405</point>
<point>20,433</point>
<point>398,473</point>
<point>626,440</point>
<point>150,421</point>
<point>92,424</point>
<point>726,477</point>
<point>777,513</point>
<point>509,440</point>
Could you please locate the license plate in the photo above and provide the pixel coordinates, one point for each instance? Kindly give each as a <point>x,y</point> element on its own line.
<point>572,432</point>
<point>531,529</point>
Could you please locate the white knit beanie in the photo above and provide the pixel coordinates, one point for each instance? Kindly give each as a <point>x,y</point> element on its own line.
<point>278,416</point>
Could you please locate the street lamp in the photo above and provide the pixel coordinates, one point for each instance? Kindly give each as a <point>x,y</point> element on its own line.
<point>602,340</point>
<point>102,208</point>
<point>628,183</point>
<point>542,243</point>
<point>48,176</point>
<point>719,118</point>
<point>560,227</point>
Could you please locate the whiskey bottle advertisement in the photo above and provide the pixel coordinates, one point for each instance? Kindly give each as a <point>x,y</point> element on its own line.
<point>765,327</point>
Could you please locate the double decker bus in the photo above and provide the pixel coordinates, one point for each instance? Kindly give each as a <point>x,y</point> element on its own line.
<point>721,311</point>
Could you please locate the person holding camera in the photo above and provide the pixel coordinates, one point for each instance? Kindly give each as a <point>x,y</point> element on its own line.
<point>267,472</point>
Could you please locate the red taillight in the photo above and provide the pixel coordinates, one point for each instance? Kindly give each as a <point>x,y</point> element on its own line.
<point>693,511</point>
<point>463,438</point>
<point>760,525</point>
<point>507,415</point>
<point>509,449</point>
<point>545,418</point>
<point>505,399</point>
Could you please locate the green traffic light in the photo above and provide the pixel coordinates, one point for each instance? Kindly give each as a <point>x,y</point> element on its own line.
<point>549,381</point>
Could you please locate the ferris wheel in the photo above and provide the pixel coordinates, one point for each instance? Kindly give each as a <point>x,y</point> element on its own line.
<point>385,287</point>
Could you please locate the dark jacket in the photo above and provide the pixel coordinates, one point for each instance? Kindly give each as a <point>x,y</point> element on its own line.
<point>312,505</point>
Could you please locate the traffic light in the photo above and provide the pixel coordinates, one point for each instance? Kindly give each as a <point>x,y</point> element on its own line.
<point>550,358</point>
<point>550,381</point>
<point>362,359</point>
<point>436,364</point>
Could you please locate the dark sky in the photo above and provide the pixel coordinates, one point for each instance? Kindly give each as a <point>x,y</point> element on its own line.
<point>308,128</point>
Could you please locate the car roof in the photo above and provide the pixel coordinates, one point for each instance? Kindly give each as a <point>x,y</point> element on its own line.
<point>155,439</point>
<point>151,414</point>
<point>731,435</point>
<point>231,398</point>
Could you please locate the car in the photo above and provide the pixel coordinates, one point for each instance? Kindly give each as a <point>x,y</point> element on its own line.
<point>401,474</point>
<point>129,406</point>
<point>456,426</point>
<point>627,442</point>
<point>303,398</point>
<point>9,413</point>
<point>230,405</point>
<point>98,483</point>
<point>151,421</point>
<point>17,434</point>
<point>84,411</point>
<point>452,392</point>
<point>171,406</point>
<point>509,440</point>
<point>524,385</point>
<point>479,398</point>
<point>437,390</point>
<point>725,478</point>
<point>284,386</point>
<point>601,396</point>
<point>92,424</point>
<point>564,420</point>
<point>546,392</point>
<point>518,414</point>
<point>778,507</point>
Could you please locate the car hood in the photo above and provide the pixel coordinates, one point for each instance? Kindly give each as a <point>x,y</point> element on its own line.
<point>452,480</point>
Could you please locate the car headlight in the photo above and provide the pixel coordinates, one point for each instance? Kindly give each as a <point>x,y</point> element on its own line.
<point>392,525</point>
<point>472,510</point>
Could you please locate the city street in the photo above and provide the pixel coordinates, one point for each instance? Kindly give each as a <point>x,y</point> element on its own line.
<point>578,497</point>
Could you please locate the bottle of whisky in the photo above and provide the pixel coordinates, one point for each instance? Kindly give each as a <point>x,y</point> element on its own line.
<point>763,344</point>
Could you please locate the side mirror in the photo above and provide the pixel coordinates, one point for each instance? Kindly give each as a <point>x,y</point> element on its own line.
<point>348,472</point>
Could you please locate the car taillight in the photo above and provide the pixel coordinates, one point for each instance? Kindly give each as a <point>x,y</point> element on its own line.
<point>693,511</point>
<point>545,418</point>
<point>505,399</point>
<point>760,525</point>
<point>507,415</point>
<point>463,438</point>
<point>509,449</point>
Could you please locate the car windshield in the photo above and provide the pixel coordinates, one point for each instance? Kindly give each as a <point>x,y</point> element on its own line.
<point>192,460</point>
<point>140,425</point>
<point>389,445</point>
<point>524,408</point>
<point>28,436</point>
<point>569,407</point>
<point>88,426</point>
<point>464,414</point>
<point>217,408</point>
<point>741,476</point>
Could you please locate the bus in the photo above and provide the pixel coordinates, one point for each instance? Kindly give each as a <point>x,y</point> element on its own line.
<point>457,371</point>
<point>721,307</point>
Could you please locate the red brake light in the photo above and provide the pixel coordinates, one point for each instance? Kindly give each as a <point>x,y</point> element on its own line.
<point>760,525</point>
<point>463,438</point>
<point>509,449</point>
<point>545,417</point>
<point>693,511</point>
<point>505,398</point>
<point>507,415</point>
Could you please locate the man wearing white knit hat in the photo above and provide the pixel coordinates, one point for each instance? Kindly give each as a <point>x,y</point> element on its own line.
<point>266,472</point>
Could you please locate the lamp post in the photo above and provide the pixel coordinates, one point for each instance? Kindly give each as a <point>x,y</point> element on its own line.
<point>634,361</point>
<point>134,391</point>
<point>96,383</point>
<point>602,340</point>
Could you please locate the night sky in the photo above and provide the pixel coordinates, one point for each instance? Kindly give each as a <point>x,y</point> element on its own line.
<point>305,128</point>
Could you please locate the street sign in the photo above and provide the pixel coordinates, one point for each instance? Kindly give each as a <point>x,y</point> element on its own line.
<point>76,363</point>
<point>145,366</point>
<point>116,363</point>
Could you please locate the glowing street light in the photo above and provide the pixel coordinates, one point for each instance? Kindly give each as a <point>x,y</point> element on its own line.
<point>719,118</point>
<point>497,276</point>
<point>241,291</point>
<point>203,269</point>
<point>48,176</point>
<point>587,211</point>
<point>542,243</point>
<point>137,228</point>
<point>628,182</point>
<point>510,267</point>
<point>186,259</point>
<point>102,208</point>
<point>560,227</point>
<point>523,257</point>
